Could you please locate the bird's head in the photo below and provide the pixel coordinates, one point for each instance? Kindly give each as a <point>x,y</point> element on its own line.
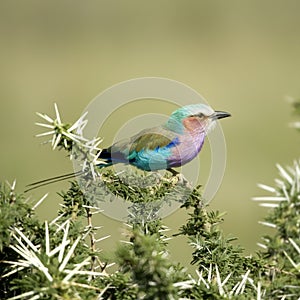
<point>194,117</point>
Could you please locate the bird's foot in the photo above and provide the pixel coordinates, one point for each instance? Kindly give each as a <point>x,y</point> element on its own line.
<point>182,180</point>
<point>179,178</point>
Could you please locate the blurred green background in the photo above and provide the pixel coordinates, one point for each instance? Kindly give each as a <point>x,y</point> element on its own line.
<point>242,56</point>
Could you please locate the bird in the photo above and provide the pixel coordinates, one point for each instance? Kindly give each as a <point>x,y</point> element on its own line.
<point>170,145</point>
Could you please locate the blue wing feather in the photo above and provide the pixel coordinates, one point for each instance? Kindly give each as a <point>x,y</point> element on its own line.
<point>153,159</point>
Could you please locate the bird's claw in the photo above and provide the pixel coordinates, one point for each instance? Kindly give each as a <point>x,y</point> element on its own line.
<point>181,180</point>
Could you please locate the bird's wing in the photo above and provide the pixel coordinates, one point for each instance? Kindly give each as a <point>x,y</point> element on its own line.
<point>148,139</point>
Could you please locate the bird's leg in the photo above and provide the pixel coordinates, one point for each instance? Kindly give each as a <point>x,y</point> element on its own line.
<point>180,177</point>
<point>173,172</point>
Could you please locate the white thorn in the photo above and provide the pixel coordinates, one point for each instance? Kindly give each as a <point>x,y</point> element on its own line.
<point>284,174</point>
<point>57,113</point>
<point>40,201</point>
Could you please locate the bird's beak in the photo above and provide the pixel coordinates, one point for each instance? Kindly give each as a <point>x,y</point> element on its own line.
<point>220,115</point>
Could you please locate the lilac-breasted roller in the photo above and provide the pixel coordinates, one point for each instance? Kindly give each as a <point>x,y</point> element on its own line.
<point>172,144</point>
<point>164,147</point>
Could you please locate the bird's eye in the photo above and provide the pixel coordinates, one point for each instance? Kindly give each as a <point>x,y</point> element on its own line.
<point>200,115</point>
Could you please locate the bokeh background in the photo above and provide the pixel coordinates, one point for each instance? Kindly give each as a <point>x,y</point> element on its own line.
<point>242,56</point>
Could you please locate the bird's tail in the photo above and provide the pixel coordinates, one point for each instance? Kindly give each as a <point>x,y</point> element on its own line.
<point>105,156</point>
<point>40,183</point>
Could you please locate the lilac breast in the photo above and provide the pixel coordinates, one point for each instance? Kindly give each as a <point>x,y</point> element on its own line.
<point>186,150</point>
